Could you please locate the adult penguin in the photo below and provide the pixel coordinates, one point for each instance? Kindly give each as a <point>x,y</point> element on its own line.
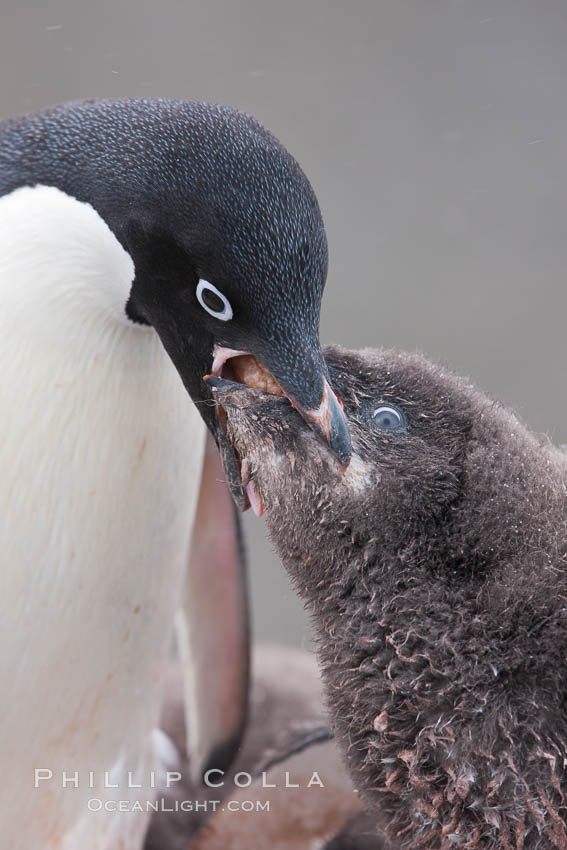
<point>134,234</point>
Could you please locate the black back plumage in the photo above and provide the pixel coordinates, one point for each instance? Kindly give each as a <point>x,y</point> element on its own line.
<point>435,573</point>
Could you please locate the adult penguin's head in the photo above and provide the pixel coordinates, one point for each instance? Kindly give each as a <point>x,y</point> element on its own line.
<point>224,230</point>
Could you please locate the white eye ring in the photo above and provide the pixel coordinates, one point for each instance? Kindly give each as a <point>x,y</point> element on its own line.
<point>225,314</point>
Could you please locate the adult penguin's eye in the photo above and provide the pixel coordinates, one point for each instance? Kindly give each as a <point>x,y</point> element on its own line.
<point>389,418</point>
<point>213,301</point>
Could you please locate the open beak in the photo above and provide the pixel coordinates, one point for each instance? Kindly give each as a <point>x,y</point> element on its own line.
<point>325,417</point>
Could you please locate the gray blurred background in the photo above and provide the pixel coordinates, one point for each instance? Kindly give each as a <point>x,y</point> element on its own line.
<point>434,133</point>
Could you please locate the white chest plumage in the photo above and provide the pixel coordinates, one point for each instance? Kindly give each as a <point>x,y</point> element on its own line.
<point>100,455</point>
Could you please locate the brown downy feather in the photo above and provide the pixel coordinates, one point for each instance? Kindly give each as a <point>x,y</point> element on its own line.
<point>284,734</point>
<point>434,571</point>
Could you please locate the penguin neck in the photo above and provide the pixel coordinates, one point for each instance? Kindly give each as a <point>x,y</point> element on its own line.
<point>94,156</point>
<point>63,269</point>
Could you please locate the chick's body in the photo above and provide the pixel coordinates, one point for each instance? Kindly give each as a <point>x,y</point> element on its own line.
<point>434,571</point>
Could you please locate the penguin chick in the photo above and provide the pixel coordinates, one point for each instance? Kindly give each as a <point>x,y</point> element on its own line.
<point>434,572</point>
<point>287,789</point>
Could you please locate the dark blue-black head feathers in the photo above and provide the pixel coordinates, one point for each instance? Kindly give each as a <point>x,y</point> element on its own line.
<point>198,192</point>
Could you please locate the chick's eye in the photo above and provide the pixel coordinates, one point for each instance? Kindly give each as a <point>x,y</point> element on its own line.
<point>389,418</point>
<point>213,301</point>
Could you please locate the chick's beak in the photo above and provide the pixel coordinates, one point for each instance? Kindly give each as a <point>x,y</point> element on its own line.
<point>326,416</point>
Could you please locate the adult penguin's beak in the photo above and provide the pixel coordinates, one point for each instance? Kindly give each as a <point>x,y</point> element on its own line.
<point>307,388</point>
<point>328,420</point>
